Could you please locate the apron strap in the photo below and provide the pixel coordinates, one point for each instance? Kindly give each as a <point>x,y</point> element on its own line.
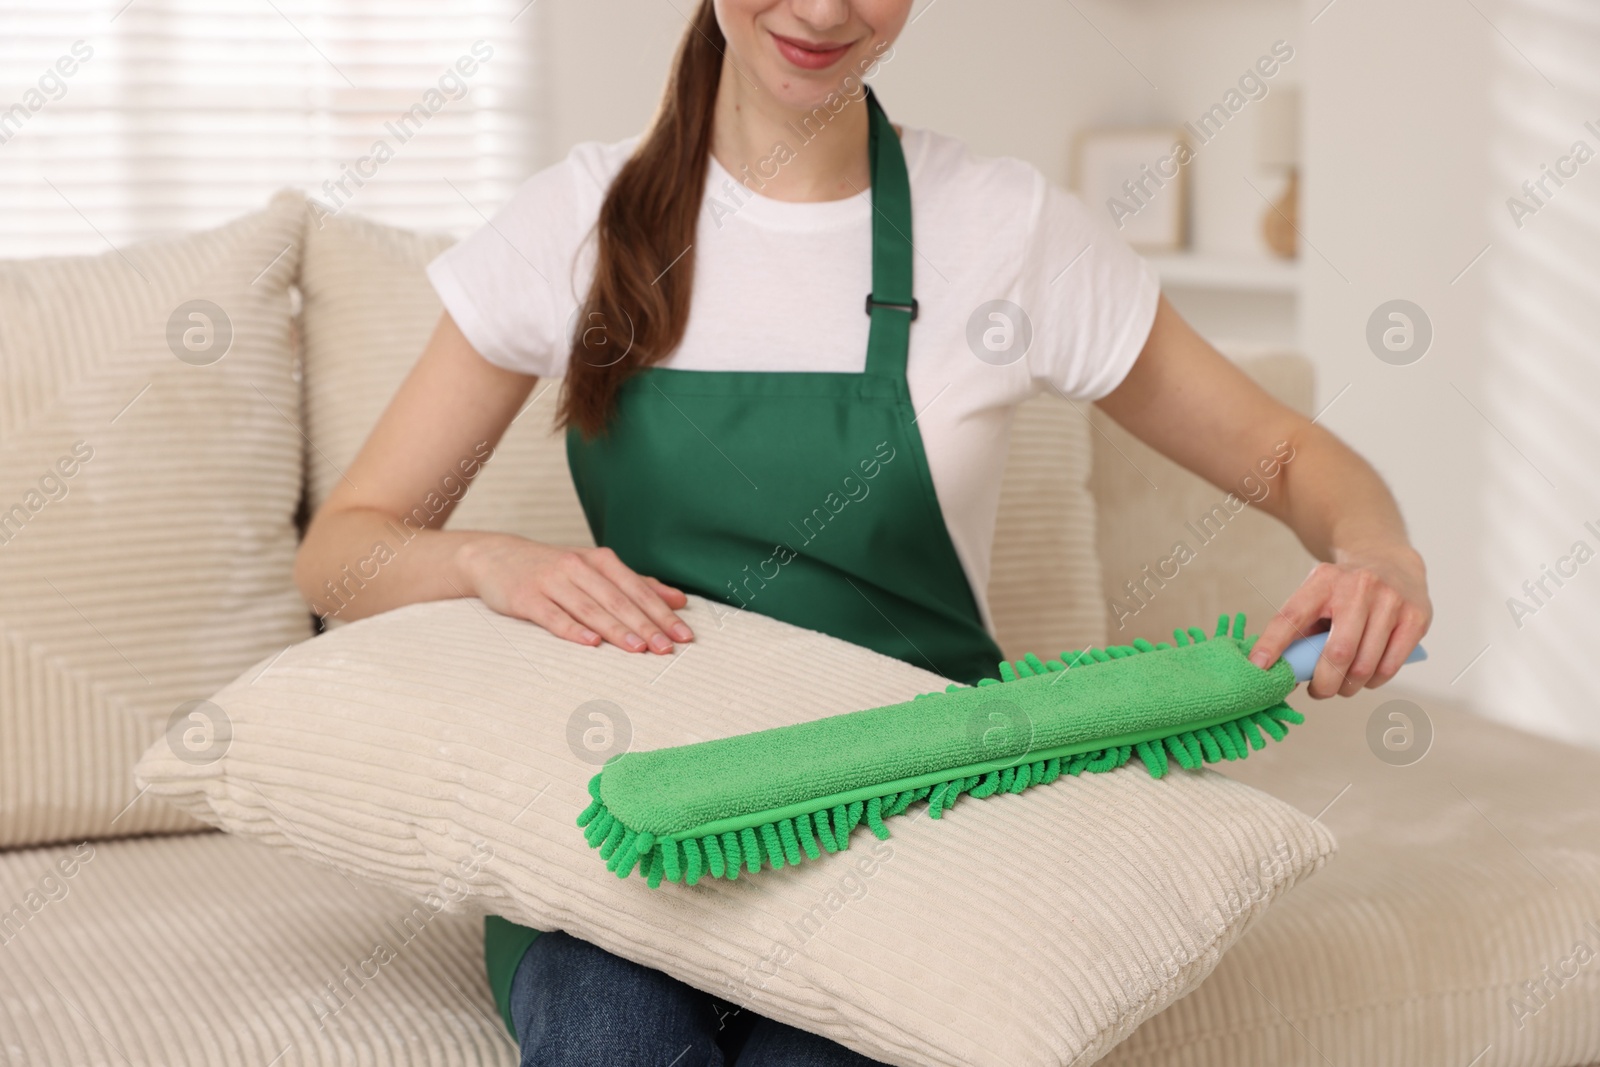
<point>890,303</point>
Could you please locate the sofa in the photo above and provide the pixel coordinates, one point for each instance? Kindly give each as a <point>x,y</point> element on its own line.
<point>1457,924</point>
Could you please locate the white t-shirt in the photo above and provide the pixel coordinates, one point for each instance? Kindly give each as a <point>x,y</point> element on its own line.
<point>779,286</point>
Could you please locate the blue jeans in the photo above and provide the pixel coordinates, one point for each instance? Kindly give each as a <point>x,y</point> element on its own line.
<point>576,1005</point>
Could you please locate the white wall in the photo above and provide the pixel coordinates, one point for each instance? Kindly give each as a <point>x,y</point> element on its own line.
<point>606,61</point>
<point>1395,187</point>
<point>1542,385</point>
<point>1005,94</point>
<point>1009,77</point>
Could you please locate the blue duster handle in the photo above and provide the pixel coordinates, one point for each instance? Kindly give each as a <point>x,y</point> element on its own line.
<point>1303,653</point>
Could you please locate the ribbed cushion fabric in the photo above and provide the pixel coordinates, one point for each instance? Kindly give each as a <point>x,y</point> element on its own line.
<point>160,566</point>
<point>205,950</point>
<point>1032,929</point>
<point>1147,505</point>
<point>1410,947</point>
<point>1045,574</point>
<point>1459,924</point>
<point>369,310</point>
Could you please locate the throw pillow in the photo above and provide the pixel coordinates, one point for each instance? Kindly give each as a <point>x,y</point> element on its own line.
<point>1031,929</point>
<point>150,461</point>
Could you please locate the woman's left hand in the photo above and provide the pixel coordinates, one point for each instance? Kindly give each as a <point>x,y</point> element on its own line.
<point>1377,601</point>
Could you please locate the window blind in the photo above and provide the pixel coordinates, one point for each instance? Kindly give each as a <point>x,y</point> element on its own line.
<point>121,120</point>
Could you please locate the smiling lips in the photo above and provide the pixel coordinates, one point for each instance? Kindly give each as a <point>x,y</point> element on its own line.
<point>808,55</point>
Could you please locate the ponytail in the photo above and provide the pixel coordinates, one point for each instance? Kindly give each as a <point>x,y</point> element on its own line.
<point>637,307</point>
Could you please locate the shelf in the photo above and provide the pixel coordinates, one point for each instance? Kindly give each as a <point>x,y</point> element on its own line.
<point>1189,270</point>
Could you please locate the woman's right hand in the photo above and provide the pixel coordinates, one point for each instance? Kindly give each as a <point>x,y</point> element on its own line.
<point>582,594</point>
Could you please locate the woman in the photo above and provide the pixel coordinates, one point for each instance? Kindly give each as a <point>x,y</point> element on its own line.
<point>750,325</point>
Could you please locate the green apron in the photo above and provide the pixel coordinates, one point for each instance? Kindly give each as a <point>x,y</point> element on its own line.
<point>804,496</point>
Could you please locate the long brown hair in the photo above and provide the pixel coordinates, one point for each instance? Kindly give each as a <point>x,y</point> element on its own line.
<point>638,304</point>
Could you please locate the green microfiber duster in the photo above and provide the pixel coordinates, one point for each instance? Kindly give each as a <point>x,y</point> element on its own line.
<point>783,795</point>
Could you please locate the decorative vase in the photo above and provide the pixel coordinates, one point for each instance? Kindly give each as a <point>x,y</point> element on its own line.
<point>1280,225</point>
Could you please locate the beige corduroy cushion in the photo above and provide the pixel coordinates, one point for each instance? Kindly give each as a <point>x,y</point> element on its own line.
<point>161,565</point>
<point>206,950</point>
<point>1036,929</point>
<point>1045,576</point>
<point>1459,924</point>
<point>1239,559</point>
<point>369,310</point>
<point>1411,947</point>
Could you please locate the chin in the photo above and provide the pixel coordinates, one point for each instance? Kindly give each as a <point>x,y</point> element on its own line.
<point>766,39</point>
<point>805,92</point>
<point>801,89</point>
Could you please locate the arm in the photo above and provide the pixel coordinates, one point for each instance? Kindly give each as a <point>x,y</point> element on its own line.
<point>376,544</point>
<point>1191,404</point>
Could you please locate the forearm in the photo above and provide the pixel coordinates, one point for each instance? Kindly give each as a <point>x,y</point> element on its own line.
<point>357,562</point>
<point>1193,405</point>
<point>1371,585</point>
<point>1333,500</point>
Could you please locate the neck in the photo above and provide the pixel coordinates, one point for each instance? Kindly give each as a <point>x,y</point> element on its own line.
<point>786,153</point>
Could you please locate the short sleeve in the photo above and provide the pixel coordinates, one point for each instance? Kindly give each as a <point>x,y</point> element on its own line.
<point>1091,297</point>
<point>510,284</point>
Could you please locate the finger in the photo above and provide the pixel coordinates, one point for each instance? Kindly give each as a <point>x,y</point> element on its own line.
<point>1381,620</point>
<point>653,598</point>
<point>1304,607</point>
<point>675,598</point>
<point>1407,632</point>
<point>622,608</point>
<point>549,614</point>
<point>646,594</point>
<point>586,609</point>
<point>1349,620</point>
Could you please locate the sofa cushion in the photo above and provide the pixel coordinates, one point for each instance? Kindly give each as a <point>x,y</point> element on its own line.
<point>1147,506</point>
<point>1045,574</point>
<point>1039,928</point>
<point>206,950</point>
<point>369,310</point>
<point>1459,924</point>
<point>150,459</point>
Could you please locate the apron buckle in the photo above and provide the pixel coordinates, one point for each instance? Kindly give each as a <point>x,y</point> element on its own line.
<point>911,307</point>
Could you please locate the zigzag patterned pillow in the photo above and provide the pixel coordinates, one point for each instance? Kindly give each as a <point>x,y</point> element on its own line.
<point>150,467</point>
